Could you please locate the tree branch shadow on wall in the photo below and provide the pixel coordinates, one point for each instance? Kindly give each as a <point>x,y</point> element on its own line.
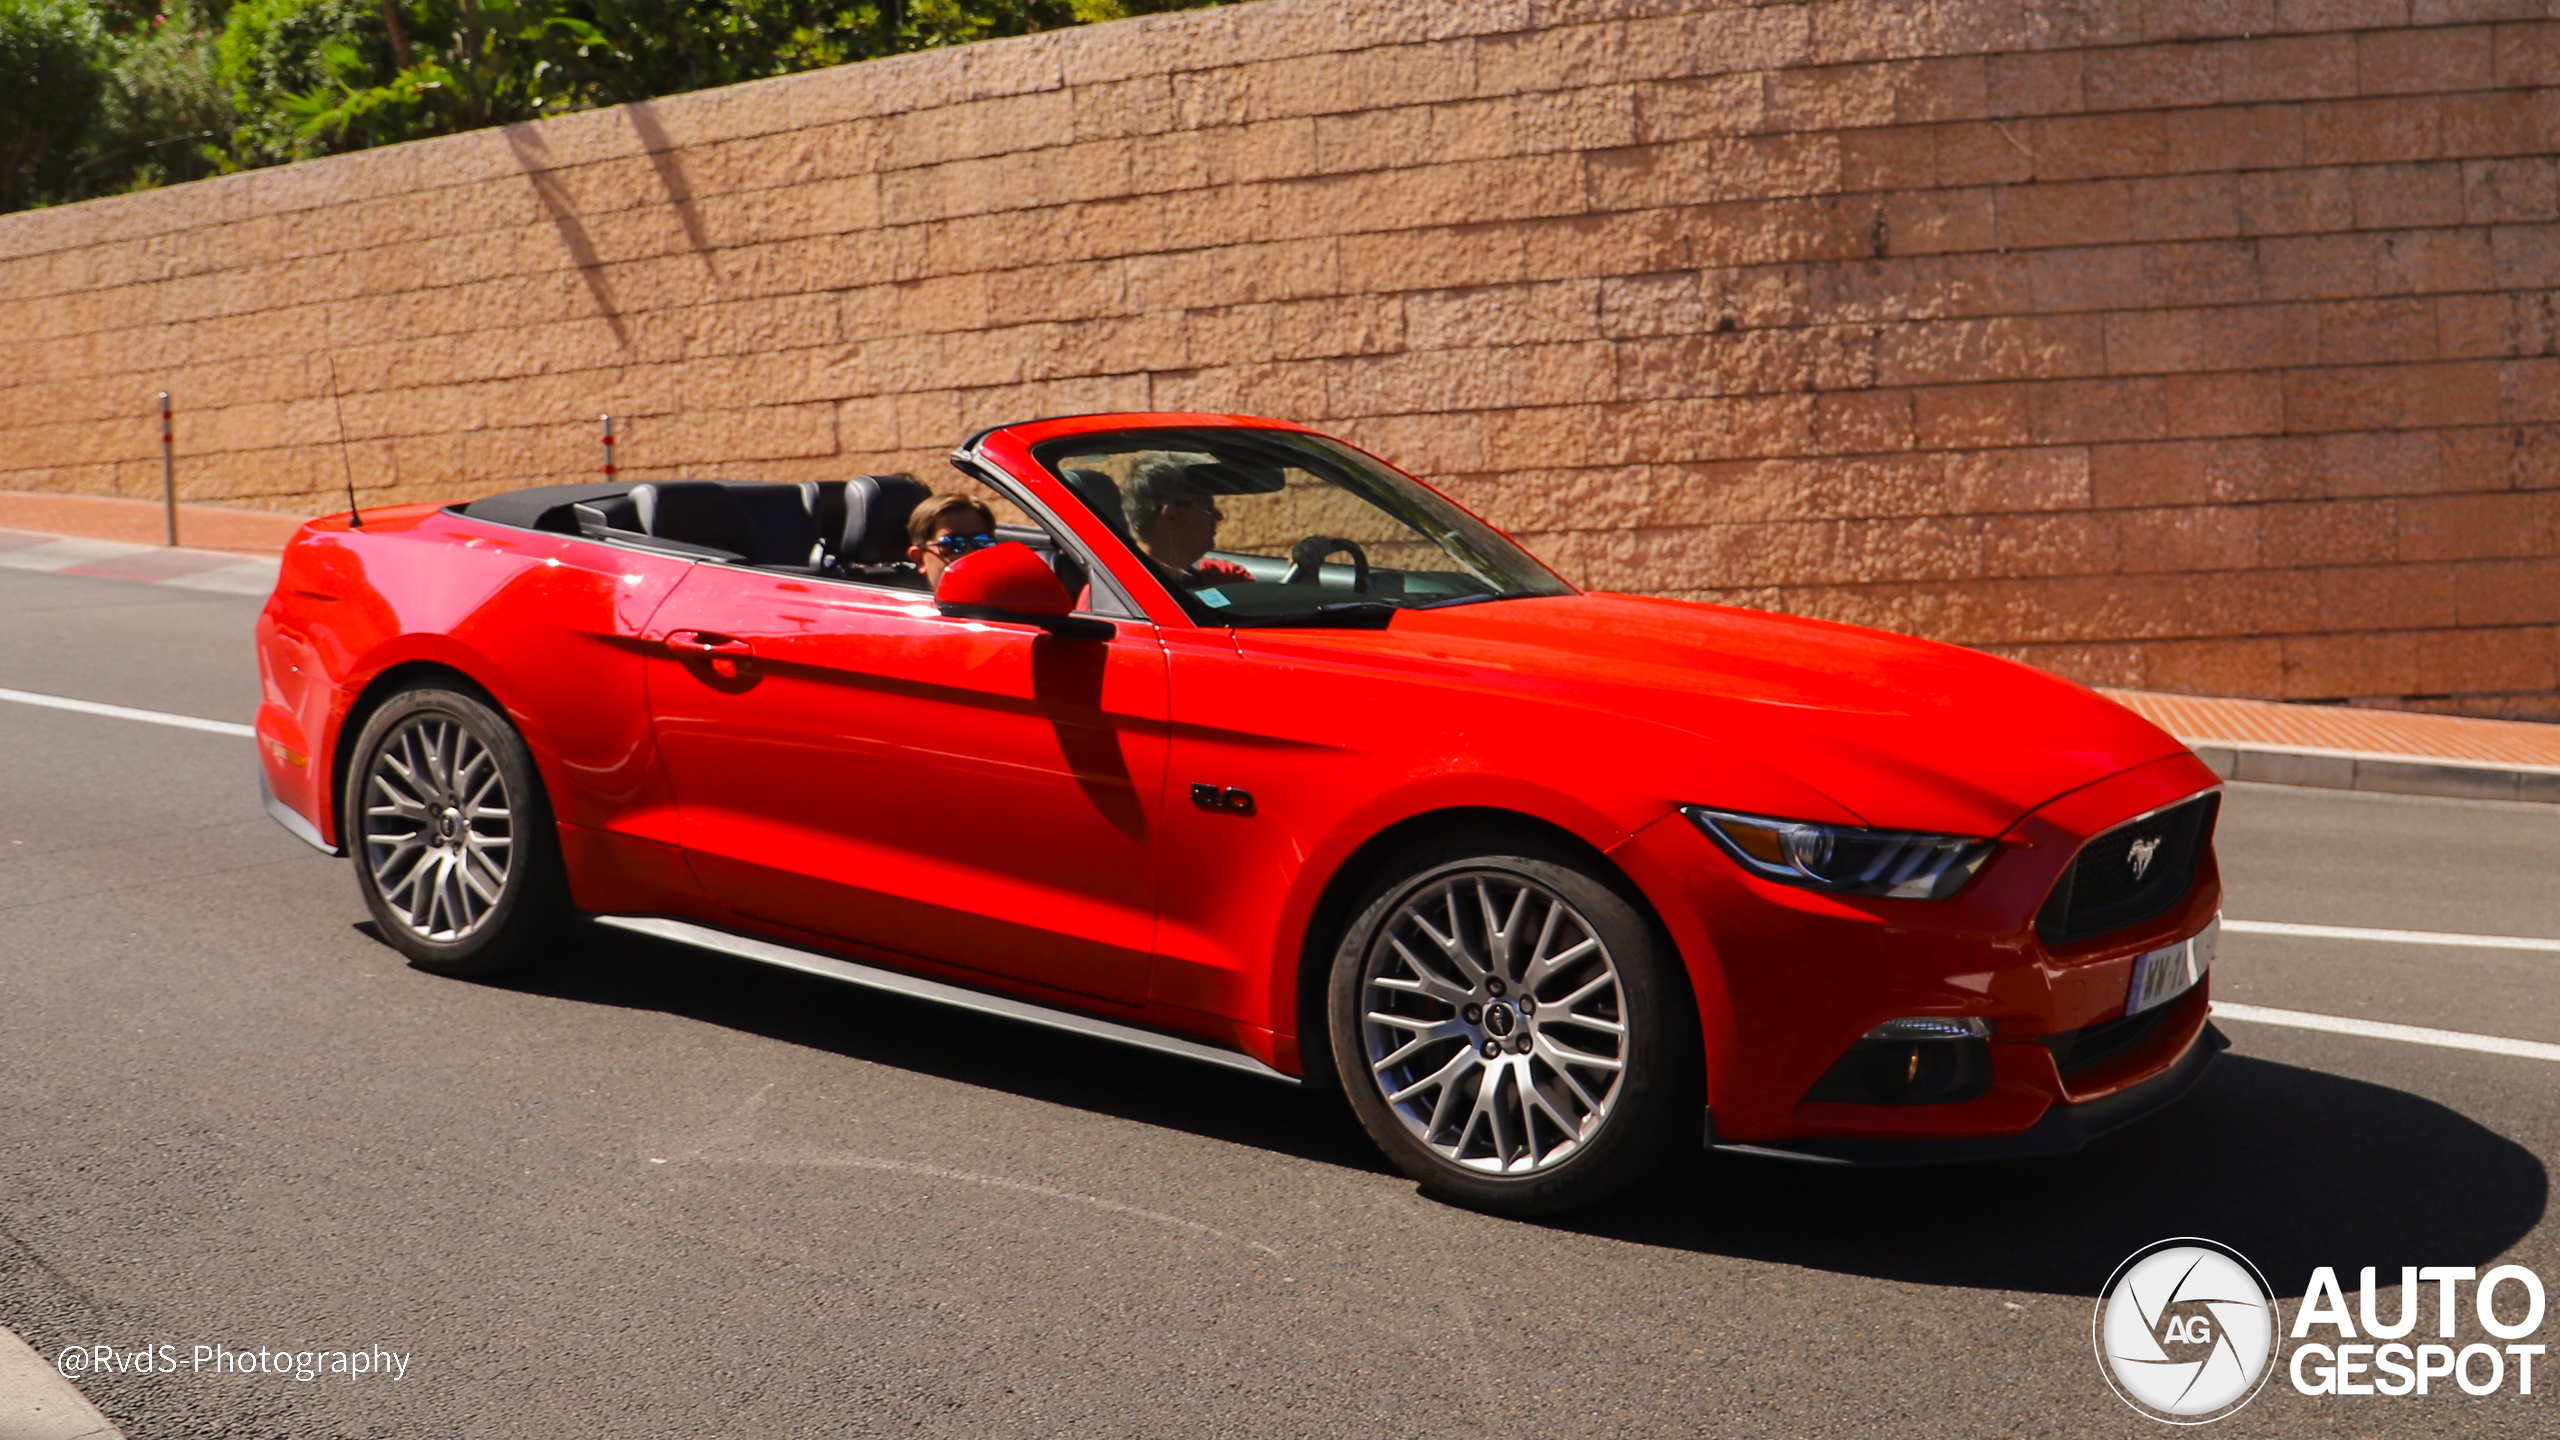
<point>525,140</point>
<point>2293,1167</point>
<point>661,150</point>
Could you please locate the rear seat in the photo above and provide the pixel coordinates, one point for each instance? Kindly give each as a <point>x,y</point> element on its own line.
<point>781,531</point>
<point>873,532</point>
<point>853,528</point>
<point>640,516</point>
<point>750,522</point>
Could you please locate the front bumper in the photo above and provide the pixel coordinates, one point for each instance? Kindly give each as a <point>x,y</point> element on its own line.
<point>2064,1128</point>
<point>1788,980</point>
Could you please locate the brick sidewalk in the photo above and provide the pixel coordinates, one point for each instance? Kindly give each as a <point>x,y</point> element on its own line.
<point>2348,748</point>
<point>2346,730</point>
<point>142,522</point>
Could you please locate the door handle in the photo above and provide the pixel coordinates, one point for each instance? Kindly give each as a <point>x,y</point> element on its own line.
<point>723,651</point>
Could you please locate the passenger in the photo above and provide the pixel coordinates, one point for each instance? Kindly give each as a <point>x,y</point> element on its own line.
<point>1175,520</point>
<point>945,527</point>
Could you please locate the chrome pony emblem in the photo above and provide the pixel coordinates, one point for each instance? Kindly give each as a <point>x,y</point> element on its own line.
<point>2139,853</point>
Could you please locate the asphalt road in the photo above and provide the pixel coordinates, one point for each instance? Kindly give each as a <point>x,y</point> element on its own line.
<point>668,1194</point>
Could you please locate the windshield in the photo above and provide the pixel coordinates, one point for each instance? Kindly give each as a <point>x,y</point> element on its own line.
<point>1272,527</point>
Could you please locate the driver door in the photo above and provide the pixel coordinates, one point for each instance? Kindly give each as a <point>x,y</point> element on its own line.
<point>849,762</point>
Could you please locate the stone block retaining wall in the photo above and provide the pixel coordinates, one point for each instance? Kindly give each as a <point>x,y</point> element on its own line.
<point>2190,345</point>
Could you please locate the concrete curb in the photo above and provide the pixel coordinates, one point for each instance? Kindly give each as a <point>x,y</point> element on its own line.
<point>216,571</point>
<point>2378,773</point>
<point>36,1403</point>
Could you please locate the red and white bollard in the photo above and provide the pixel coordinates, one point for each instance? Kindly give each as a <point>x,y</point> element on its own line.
<point>608,447</point>
<point>169,467</point>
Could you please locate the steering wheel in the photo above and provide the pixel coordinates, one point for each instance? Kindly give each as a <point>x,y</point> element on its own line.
<point>1307,557</point>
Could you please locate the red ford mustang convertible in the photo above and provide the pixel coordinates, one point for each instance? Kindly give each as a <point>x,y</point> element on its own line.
<point>1220,737</point>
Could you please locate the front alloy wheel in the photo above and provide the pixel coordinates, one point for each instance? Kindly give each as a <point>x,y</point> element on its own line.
<point>1511,1034</point>
<point>1494,1022</point>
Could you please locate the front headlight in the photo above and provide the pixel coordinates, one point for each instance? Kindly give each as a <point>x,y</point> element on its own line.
<point>1844,859</point>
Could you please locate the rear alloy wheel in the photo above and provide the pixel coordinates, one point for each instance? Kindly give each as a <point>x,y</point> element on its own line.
<point>453,846</point>
<point>1510,1035</point>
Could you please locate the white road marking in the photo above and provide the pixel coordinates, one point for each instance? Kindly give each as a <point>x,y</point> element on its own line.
<point>842,1160</point>
<point>2381,1030</point>
<point>36,1402</point>
<point>733,1142</point>
<point>246,578</point>
<point>127,712</point>
<point>2391,937</point>
<point>57,554</point>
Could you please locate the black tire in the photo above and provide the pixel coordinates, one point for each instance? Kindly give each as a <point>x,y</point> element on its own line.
<point>1577,1142</point>
<point>453,843</point>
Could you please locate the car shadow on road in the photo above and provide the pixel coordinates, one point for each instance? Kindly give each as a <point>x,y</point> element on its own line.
<point>636,972</point>
<point>2293,1168</point>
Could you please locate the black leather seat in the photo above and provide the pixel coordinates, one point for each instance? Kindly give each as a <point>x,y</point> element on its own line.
<point>696,512</point>
<point>685,517</point>
<point>824,500</point>
<point>779,530</point>
<point>760,524</point>
<point>874,529</point>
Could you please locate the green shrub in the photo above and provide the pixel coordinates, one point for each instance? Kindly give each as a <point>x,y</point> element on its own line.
<point>52,80</point>
<point>113,95</point>
<point>292,64</point>
<point>167,115</point>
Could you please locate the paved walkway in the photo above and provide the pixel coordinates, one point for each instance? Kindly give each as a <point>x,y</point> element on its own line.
<point>228,551</point>
<point>144,522</point>
<point>2350,748</point>
<point>2345,730</point>
<point>231,574</point>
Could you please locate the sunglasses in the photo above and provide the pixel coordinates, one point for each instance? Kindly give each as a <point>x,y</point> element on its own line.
<point>952,547</point>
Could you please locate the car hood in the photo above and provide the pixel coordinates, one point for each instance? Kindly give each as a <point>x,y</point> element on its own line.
<point>1900,732</point>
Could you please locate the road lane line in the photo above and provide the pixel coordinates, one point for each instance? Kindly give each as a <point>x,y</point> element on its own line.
<point>2391,937</point>
<point>2382,1030</point>
<point>127,712</point>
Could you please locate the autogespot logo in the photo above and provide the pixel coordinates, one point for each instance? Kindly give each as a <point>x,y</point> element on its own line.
<point>2185,1330</point>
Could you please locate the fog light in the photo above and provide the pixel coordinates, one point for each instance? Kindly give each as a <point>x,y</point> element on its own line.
<point>1933,1027</point>
<point>1917,1060</point>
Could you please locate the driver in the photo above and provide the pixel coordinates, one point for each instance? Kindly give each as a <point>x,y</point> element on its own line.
<point>1175,520</point>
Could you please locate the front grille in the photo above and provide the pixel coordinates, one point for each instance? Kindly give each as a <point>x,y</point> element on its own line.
<point>2077,1050</point>
<point>2130,874</point>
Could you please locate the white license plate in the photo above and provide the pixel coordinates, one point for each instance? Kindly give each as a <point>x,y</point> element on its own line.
<point>2162,975</point>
